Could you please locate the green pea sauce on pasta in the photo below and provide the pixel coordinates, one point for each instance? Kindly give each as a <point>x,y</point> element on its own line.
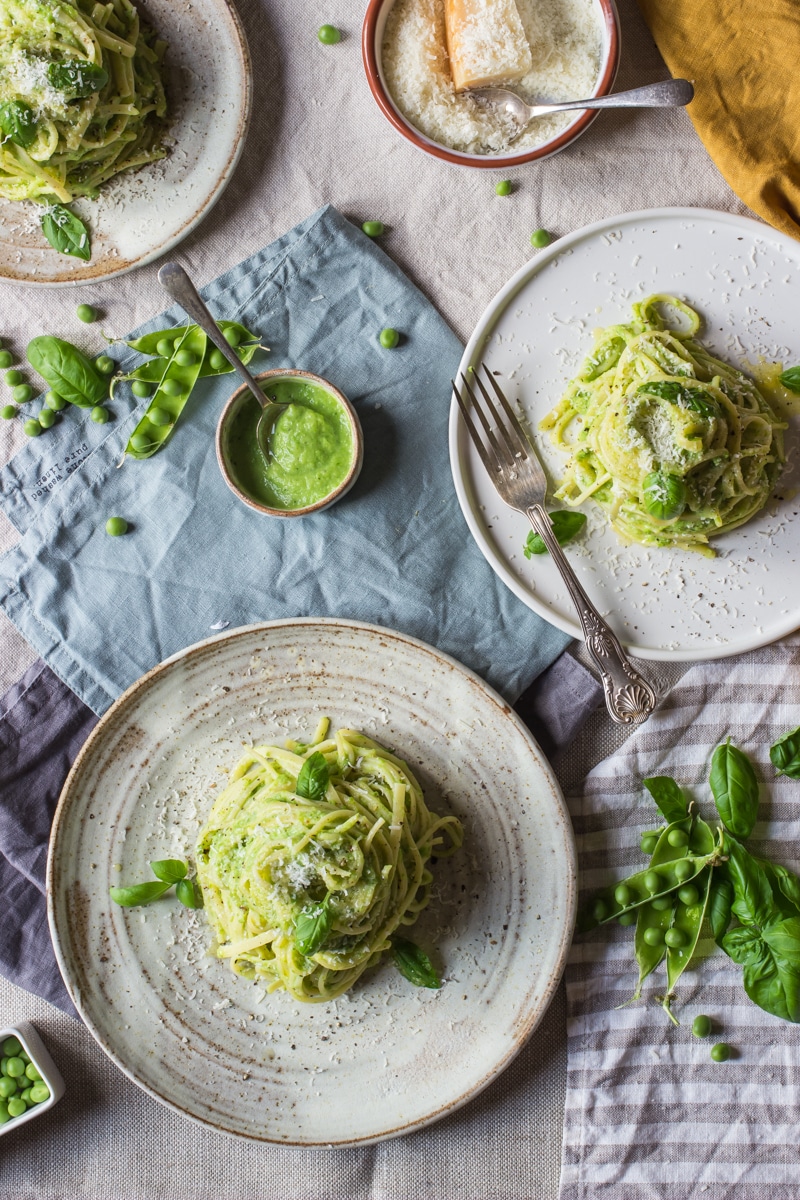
<point>674,444</point>
<point>313,857</point>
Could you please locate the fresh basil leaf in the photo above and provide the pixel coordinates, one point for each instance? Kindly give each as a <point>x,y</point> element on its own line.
<point>668,796</point>
<point>682,394</point>
<point>791,379</point>
<point>67,371</point>
<point>77,78</point>
<point>783,938</point>
<point>785,753</point>
<point>735,789</point>
<point>664,496</point>
<point>312,782</point>
<point>719,905</point>
<point>414,964</point>
<point>752,894</point>
<point>169,870</point>
<point>566,523</point>
<point>189,893</point>
<point>312,926</point>
<point>66,232</point>
<point>17,123</point>
<point>140,893</point>
<point>743,945</point>
<point>785,886</point>
<point>773,983</point>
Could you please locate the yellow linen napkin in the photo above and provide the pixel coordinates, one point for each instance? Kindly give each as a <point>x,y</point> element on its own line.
<point>742,56</point>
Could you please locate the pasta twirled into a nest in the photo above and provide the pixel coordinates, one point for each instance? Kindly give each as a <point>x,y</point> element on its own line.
<point>307,890</point>
<point>81,96</point>
<point>674,444</point>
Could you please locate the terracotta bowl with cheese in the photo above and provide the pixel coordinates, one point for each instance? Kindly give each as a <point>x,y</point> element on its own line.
<point>423,57</point>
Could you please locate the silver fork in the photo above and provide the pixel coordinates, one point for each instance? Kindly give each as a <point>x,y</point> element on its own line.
<point>517,474</point>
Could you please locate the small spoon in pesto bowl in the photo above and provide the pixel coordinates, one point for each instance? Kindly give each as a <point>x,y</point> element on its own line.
<point>179,286</point>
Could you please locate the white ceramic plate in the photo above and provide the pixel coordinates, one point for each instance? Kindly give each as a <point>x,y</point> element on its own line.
<point>744,278</point>
<point>143,214</point>
<point>214,1046</point>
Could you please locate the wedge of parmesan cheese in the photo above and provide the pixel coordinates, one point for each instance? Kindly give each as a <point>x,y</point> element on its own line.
<point>486,43</point>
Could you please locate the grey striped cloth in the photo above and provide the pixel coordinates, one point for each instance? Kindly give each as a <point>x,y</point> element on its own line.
<point>649,1115</point>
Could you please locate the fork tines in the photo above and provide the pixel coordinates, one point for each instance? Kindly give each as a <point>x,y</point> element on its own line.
<point>507,438</point>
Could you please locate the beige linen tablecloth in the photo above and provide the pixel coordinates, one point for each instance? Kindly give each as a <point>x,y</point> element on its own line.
<point>317,136</point>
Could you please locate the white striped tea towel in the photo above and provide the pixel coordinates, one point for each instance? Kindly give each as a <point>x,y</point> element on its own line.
<point>649,1115</point>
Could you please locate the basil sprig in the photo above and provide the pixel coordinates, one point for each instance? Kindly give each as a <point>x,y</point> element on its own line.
<point>17,123</point>
<point>791,379</point>
<point>312,926</point>
<point>566,523</point>
<point>785,753</point>
<point>312,782</point>
<point>414,964</point>
<point>67,371</point>
<point>66,232</point>
<point>735,789</point>
<point>668,796</point>
<point>168,872</point>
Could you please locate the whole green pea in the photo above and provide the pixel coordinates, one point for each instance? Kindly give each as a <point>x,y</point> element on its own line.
<point>683,870</point>
<point>8,411</point>
<point>232,336</point>
<point>185,358</point>
<point>32,427</point>
<point>105,364</point>
<point>540,238</point>
<point>329,35</point>
<point>503,187</point>
<point>99,414</point>
<point>599,910</point>
<point>140,441</point>
<point>54,401</point>
<point>6,359</point>
<point>4,1113</point>
<point>653,882</point>
<point>389,338</point>
<point>627,918</point>
<point>22,393</point>
<point>3,1064</point>
<point>373,228</point>
<point>675,938</point>
<point>688,894</point>
<point>85,313</point>
<point>15,1067</point>
<point>13,378</point>
<point>661,903</point>
<point>623,894</point>
<point>678,837</point>
<point>16,1106</point>
<point>116,526</point>
<point>164,347</point>
<point>653,936</point>
<point>158,416</point>
<point>26,1095</point>
<point>39,1093</point>
<point>141,388</point>
<point>720,1053</point>
<point>217,360</point>
<point>8,1087</point>
<point>701,1026</point>
<point>32,1072</point>
<point>46,418</point>
<point>649,843</point>
<point>12,1045</point>
<point>172,387</point>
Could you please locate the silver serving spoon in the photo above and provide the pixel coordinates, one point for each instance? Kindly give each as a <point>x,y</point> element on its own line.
<point>179,286</point>
<point>671,93</point>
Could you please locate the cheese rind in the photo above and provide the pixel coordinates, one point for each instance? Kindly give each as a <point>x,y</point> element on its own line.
<point>486,43</point>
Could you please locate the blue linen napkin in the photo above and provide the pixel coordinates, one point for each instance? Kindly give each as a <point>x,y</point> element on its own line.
<point>396,551</point>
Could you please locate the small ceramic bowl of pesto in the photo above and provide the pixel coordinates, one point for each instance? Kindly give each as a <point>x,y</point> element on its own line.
<point>316,446</point>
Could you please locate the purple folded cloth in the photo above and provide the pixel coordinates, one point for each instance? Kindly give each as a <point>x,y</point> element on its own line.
<point>43,726</point>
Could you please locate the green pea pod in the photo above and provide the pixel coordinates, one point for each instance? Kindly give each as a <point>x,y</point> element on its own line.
<point>687,920</point>
<point>701,837</point>
<point>664,879</point>
<point>148,342</point>
<point>735,789</point>
<point>174,389</point>
<point>648,956</point>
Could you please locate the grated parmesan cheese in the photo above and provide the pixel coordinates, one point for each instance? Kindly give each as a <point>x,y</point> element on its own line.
<point>564,38</point>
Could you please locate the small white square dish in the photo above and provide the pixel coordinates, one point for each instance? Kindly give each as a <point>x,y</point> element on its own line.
<point>36,1056</point>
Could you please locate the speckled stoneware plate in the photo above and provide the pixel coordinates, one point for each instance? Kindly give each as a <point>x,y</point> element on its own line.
<point>744,279</point>
<point>389,1057</point>
<point>142,214</point>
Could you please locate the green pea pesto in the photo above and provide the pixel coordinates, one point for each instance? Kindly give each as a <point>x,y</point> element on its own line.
<point>311,444</point>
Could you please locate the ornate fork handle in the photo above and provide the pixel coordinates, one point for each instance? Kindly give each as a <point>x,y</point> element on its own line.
<point>629,697</point>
